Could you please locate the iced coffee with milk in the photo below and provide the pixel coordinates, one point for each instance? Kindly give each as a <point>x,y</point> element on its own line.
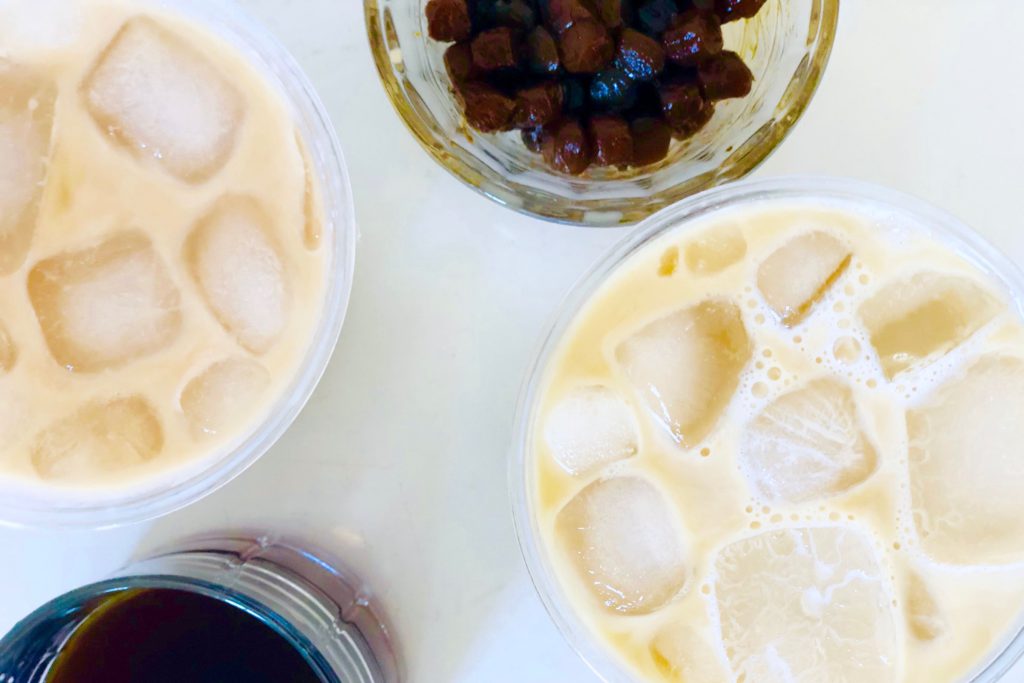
<point>784,442</point>
<point>161,267</point>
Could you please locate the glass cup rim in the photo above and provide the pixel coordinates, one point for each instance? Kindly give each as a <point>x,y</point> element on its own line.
<point>968,243</point>
<point>480,177</point>
<point>263,51</point>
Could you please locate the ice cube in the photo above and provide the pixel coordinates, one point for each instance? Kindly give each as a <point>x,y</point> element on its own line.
<point>927,315</point>
<point>107,305</point>
<point>807,444</point>
<point>26,125</point>
<point>622,538</point>
<point>800,272</point>
<point>686,366</point>
<point>237,264</point>
<point>924,617</point>
<point>154,93</point>
<point>967,465</point>
<point>223,393</point>
<point>8,350</point>
<point>683,655</point>
<point>102,437</point>
<point>715,250</point>
<point>806,605</point>
<point>590,427</point>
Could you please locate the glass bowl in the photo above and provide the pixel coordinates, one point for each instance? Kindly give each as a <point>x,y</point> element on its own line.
<point>20,506</point>
<point>892,208</point>
<point>786,46</point>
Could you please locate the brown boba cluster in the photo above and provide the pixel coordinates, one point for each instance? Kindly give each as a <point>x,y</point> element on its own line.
<point>591,82</point>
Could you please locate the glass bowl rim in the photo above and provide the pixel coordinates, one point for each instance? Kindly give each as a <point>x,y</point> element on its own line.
<point>466,168</point>
<point>227,21</point>
<point>968,242</point>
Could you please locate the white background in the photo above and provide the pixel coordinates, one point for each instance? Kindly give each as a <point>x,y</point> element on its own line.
<point>398,463</point>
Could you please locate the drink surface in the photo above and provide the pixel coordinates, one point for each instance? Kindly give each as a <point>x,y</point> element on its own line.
<point>161,271</point>
<point>783,444</point>
<point>171,635</point>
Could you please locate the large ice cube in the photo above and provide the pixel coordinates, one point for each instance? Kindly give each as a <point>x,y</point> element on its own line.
<point>8,350</point>
<point>102,437</point>
<point>625,544</point>
<point>683,655</point>
<point>686,366</point>
<point>223,393</point>
<point>104,306</point>
<point>589,427</point>
<point>26,125</point>
<point>800,272</point>
<point>967,465</point>
<point>926,315</point>
<point>806,605</point>
<point>807,444</point>
<point>237,264</point>
<point>157,95</point>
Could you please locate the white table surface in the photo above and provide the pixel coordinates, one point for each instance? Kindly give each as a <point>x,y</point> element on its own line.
<point>398,462</point>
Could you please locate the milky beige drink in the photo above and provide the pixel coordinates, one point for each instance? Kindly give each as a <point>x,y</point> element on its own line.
<point>161,268</point>
<point>785,443</point>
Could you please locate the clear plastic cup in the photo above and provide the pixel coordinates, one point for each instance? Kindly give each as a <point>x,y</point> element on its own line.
<point>888,206</point>
<point>324,612</point>
<point>152,499</point>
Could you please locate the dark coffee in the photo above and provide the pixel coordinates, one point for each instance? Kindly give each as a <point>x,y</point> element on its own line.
<point>158,635</point>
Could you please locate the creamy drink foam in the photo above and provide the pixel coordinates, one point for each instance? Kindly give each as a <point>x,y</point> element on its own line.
<point>161,272</point>
<point>785,444</point>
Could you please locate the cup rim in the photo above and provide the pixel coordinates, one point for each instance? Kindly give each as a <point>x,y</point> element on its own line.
<point>552,207</point>
<point>968,243</point>
<point>226,595</point>
<point>228,21</point>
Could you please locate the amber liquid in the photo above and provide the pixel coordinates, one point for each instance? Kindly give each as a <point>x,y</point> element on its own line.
<point>157,635</point>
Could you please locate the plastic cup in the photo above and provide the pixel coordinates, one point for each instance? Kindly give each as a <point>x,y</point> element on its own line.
<point>890,209</point>
<point>39,507</point>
